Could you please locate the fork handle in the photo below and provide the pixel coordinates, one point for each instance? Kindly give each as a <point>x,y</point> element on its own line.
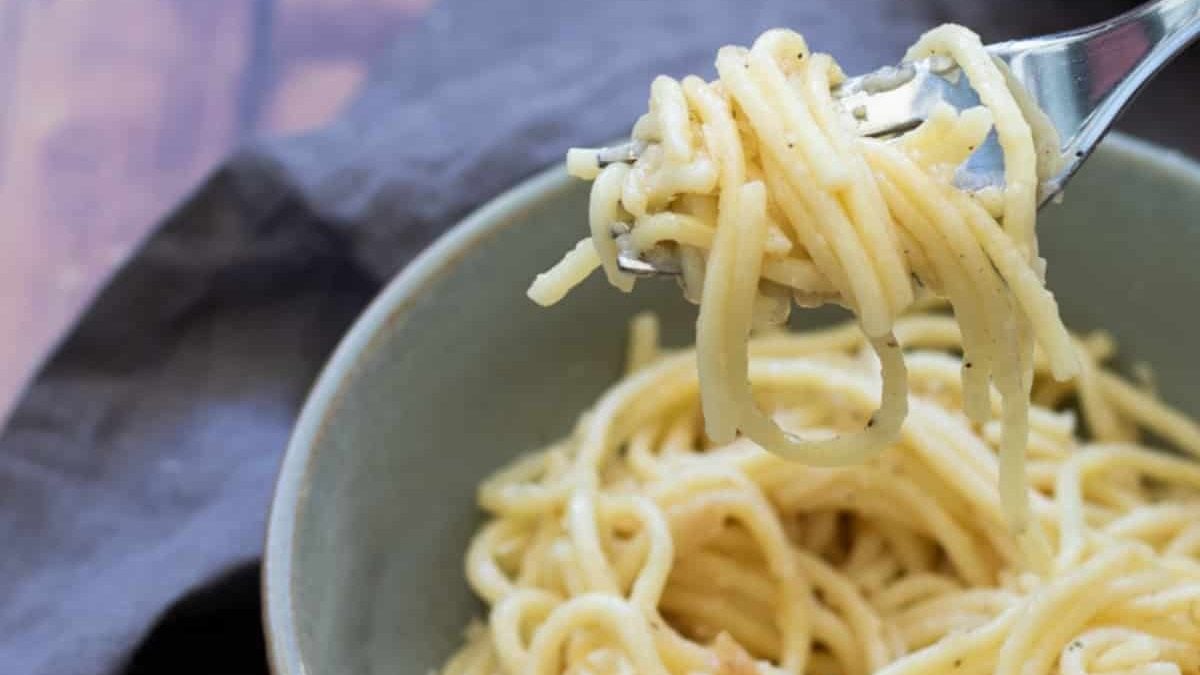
<point>1108,63</point>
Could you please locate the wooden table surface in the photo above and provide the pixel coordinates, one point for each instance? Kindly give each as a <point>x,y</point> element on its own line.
<point>111,110</point>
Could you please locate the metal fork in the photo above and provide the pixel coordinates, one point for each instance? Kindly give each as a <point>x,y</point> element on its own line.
<point>1080,79</point>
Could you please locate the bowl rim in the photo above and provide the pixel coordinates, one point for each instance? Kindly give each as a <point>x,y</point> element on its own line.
<point>284,654</point>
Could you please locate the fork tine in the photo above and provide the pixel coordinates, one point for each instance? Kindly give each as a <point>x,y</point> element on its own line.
<point>635,265</point>
<point>895,99</point>
<point>626,152</point>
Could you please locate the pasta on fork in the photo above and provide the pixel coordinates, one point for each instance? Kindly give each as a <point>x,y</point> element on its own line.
<point>760,187</point>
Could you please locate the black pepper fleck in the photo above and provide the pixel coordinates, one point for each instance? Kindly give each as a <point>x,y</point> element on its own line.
<point>958,663</point>
<point>800,55</point>
<point>968,364</point>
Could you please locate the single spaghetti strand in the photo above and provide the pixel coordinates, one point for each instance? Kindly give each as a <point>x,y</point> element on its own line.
<point>714,335</point>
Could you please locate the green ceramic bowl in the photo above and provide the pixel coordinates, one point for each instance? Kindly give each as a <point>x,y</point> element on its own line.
<point>452,371</point>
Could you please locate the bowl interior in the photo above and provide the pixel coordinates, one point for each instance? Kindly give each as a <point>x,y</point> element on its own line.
<point>453,371</point>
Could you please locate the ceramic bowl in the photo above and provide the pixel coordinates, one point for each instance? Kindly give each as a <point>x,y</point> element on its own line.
<point>451,372</point>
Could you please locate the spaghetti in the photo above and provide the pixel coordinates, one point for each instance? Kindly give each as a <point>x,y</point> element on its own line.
<point>669,533</point>
<point>640,545</point>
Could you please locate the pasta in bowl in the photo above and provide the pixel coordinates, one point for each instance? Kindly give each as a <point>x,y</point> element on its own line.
<point>741,509</point>
<point>645,541</point>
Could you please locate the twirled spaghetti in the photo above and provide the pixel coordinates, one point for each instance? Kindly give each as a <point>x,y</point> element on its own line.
<point>759,185</point>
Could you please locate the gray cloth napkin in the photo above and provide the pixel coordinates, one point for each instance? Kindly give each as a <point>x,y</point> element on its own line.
<point>140,464</point>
